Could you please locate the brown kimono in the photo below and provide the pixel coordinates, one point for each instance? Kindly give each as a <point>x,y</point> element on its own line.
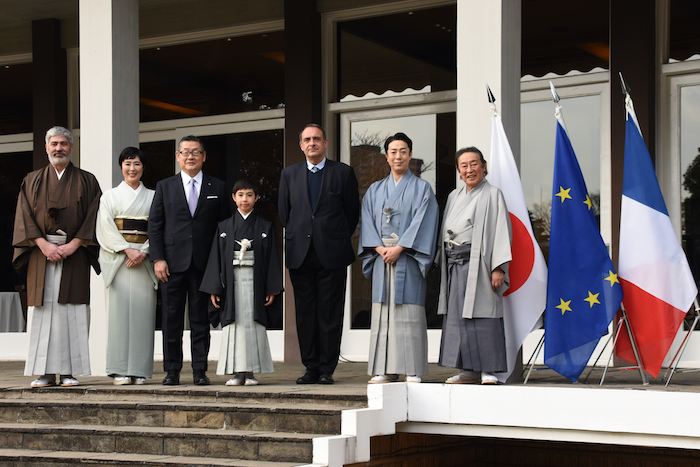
<point>45,205</point>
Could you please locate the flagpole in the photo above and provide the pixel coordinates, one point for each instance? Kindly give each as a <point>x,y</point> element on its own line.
<point>571,339</point>
<point>624,318</point>
<point>492,99</point>
<point>639,366</point>
<point>633,343</point>
<point>525,300</point>
<point>673,368</point>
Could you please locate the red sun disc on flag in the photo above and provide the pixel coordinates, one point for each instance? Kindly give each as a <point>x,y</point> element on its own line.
<point>523,255</point>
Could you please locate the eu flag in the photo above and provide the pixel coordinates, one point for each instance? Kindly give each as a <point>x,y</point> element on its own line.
<point>583,291</point>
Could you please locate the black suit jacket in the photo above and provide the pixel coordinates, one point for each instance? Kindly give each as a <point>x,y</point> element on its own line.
<point>174,234</point>
<point>330,225</point>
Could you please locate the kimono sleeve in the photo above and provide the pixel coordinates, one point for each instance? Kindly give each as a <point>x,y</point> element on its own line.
<point>213,279</point>
<point>369,236</point>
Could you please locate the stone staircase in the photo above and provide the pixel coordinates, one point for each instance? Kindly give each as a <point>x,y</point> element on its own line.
<point>140,425</point>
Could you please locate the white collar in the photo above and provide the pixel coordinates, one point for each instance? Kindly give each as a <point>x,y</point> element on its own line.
<point>186,178</point>
<point>245,216</point>
<point>319,166</point>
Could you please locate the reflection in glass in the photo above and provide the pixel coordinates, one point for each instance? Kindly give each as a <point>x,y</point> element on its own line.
<point>690,173</point>
<point>683,32</point>
<point>433,160</point>
<point>16,93</point>
<point>411,49</point>
<point>14,167</point>
<point>160,162</point>
<point>256,155</point>
<point>222,76</point>
<point>562,36</point>
<point>538,134</point>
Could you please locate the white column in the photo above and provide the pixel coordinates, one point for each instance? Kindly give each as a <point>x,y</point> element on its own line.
<point>109,115</point>
<point>488,52</point>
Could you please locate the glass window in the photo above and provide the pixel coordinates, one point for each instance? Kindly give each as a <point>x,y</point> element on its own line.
<point>16,99</point>
<point>690,172</point>
<point>413,49</point>
<point>684,35</point>
<point>216,77</point>
<point>559,36</point>
<point>160,162</point>
<point>538,135</point>
<point>258,156</point>
<point>14,167</point>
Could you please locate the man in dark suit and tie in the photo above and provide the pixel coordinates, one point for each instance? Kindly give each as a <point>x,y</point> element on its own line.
<point>319,206</point>
<point>183,218</point>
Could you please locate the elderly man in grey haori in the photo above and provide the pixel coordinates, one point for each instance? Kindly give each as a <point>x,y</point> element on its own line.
<point>397,245</point>
<point>474,256</point>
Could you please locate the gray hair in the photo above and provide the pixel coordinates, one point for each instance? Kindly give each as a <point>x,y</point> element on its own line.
<point>475,151</point>
<point>59,131</point>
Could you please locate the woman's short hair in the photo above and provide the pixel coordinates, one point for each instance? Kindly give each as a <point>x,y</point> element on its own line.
<point>132,153</point>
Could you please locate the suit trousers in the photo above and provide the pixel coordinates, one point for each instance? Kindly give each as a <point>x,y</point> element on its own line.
<point>319,298</point>
<point>182,286</point>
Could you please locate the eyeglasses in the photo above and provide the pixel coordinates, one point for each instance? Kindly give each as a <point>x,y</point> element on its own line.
<point>195,153</point>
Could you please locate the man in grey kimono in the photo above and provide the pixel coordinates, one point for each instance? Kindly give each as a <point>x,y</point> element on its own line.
<point>397,246</point>
<point>474,256</point>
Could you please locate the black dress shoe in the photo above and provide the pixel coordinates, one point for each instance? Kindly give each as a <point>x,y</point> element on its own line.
<point>200,378</point>
<point>310,377</point>
<point>172,378</point>
<point>326,378</point>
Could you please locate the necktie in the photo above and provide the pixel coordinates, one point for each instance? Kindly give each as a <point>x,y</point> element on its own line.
<point>192,202</point>
<point>314,169</point>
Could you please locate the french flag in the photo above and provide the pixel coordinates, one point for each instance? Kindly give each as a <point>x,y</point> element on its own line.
<point>524,302</point>
<point>658,285</point>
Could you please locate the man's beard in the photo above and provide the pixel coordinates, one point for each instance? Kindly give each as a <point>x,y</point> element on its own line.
<point>59,158</point>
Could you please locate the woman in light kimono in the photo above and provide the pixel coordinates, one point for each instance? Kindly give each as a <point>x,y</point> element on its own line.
<point>122,223</point>
<point>397,245</point>
<point>474,256</point>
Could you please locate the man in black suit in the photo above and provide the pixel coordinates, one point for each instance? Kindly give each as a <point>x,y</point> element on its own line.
<point>319,205</point>
<point>183,218</point>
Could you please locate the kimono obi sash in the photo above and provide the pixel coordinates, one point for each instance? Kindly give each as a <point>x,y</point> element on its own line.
<point>56,239</point>
<point>247,259</point>
<point>389,242</point>
<point>133,230</point>
<point>457,254</point>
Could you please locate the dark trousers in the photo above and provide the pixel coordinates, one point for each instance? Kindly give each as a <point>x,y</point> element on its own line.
<point>319,298</point>
<point>182,286</point>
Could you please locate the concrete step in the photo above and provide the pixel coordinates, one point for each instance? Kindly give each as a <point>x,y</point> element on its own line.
<point>20,457</point>
<point>160,441</point>
<point>264,395</point>
<point>259,416</point>
<point>156,425</point>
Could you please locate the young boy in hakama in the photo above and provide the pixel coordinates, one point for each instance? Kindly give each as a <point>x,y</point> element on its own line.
<point>243,275</point>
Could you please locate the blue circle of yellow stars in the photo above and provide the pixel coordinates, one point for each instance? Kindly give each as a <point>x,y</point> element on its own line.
<point>592,299</point>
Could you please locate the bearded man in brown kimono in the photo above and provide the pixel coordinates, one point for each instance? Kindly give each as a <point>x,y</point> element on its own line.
<point>54,240</point>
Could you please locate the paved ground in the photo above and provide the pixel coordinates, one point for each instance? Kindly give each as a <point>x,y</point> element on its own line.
<point>351,378</point>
